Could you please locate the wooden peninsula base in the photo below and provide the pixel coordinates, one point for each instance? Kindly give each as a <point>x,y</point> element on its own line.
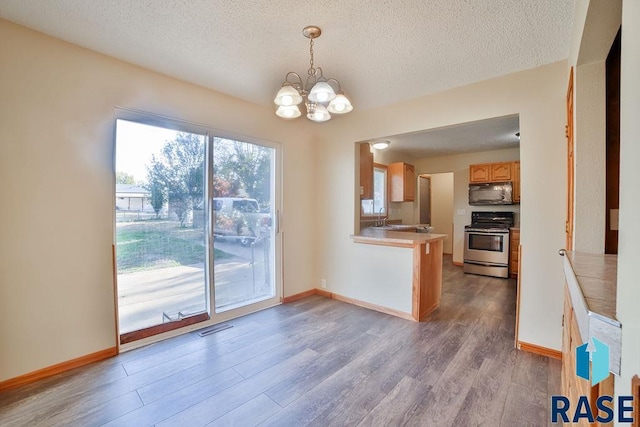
<point>427,264</point>
<point>427,278</point>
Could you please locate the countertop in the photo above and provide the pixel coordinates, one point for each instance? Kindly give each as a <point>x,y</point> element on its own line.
<point>597,277</point>
<point>592,284</point>
<point>373,235</point>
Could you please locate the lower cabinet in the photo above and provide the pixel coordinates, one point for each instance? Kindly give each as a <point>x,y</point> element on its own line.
<point>573,386</point>
<point>514,249</point>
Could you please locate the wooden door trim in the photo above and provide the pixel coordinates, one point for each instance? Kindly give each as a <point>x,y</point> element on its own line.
<point>165,327</point>
<point>569,225</point>
<point>635,392</point>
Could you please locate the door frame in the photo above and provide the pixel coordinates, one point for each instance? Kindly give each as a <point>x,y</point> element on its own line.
<point>210,132</point>
<point>569,131</point>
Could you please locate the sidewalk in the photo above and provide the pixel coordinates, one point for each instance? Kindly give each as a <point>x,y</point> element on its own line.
<point>146,295</point>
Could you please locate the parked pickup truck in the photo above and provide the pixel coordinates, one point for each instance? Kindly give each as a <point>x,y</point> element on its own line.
<point>240,219</point>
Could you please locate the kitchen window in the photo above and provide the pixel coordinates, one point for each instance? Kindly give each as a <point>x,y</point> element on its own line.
<point>379,201</point>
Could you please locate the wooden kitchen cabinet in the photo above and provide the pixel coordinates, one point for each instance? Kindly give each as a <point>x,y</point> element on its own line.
<point>366,171</point>
<point>480,173</point>
<point>501,171</point>
<point>497,172</point>
<point>514,245</point>
<point>516,182</point>
<point>573,386</point>
<point>402,186</point>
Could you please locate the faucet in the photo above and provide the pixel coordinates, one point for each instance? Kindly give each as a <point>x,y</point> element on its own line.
<point>379,222</point>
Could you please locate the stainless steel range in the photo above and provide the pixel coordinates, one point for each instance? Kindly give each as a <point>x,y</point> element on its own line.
<point>486,243</point>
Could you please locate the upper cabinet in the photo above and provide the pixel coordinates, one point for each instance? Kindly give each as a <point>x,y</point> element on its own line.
<point>501,171</point>
<point>516,182</point>
<point>497,172</point>
<point>491,172</point>
<point>402,185</point>
<point>366,171</point>
<point>480,173</point>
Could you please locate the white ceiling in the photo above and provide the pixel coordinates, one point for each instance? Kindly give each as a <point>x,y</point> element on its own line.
<point>497,133</point>
<point>382,51</point>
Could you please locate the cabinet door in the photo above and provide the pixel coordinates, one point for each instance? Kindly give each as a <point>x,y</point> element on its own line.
<point>514,246</point>
<point>409,183</point>
<point>516,182</point>
<point>480,173</point>
<point>501,171</point>
<point>366,171</point>
<point>401,182</point>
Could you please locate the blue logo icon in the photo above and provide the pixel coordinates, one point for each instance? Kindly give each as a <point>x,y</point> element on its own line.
<point>598,353</point>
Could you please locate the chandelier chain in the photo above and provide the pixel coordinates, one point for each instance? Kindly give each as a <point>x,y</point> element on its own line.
<point>311,70</point>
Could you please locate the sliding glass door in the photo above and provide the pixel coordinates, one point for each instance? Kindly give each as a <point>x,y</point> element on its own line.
<point>161,244</point>
<point>195,227</point>
<point>244,223</point>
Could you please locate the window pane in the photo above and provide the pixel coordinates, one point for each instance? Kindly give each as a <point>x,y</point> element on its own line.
<point>367,207</point>
<point>379,190</point>
<point>160,225</point>
<point>244,245</point>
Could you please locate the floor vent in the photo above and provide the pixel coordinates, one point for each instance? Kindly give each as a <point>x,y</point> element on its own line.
<point>214,329</point>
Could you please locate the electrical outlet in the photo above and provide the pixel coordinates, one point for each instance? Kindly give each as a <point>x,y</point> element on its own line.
<point>461,212</point>
<point>323,283</point>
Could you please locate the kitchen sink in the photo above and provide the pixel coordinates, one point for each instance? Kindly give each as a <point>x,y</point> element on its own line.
<point>415,228</point>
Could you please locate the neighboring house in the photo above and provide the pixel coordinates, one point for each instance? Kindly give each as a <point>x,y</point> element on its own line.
<point>132,197</point>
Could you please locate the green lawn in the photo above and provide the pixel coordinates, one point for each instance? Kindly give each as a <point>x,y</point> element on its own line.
<point>151,245</point>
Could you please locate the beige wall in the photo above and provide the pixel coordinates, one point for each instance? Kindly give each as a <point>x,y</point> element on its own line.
<point>629,248</point>
<point>56,149</point>
<point>459,165</point>
<point>538,96</point>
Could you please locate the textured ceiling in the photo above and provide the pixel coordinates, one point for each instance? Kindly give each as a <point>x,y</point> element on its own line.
<point>382,51</point>
<point>498,133</point>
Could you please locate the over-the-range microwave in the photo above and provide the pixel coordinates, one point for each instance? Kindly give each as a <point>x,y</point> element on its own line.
<point>494,193</point>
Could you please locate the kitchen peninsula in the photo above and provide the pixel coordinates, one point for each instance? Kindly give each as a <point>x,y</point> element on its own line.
<point>426,279</point>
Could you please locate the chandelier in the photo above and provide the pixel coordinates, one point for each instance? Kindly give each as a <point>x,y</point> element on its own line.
<point>320,98</point>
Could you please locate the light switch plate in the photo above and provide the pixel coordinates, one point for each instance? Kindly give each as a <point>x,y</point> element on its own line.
<point>461,212</point>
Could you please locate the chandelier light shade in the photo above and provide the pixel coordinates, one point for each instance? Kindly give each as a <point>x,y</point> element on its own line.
<point>318,93</point>
<point>287,96</point>
<point>340,105</point>
<point>288,111</point>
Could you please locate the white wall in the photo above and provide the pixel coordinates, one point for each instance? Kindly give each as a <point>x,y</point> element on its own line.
<point>590,150</point>
<point>538,96</point>
<point>459,165</point>
<point>596,30</point>
<point>56,147</point>
<point>629,235</point>
<point>596,23</point>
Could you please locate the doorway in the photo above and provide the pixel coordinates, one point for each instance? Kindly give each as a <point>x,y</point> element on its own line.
<point>440,205</point>
<point>196,231</point>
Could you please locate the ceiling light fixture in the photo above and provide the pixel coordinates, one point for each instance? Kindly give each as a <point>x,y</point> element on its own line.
<point>320,98</point>
<point>381,145</point>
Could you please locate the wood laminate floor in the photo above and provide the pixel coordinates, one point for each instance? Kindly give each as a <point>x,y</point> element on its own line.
<point>316,362</point>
